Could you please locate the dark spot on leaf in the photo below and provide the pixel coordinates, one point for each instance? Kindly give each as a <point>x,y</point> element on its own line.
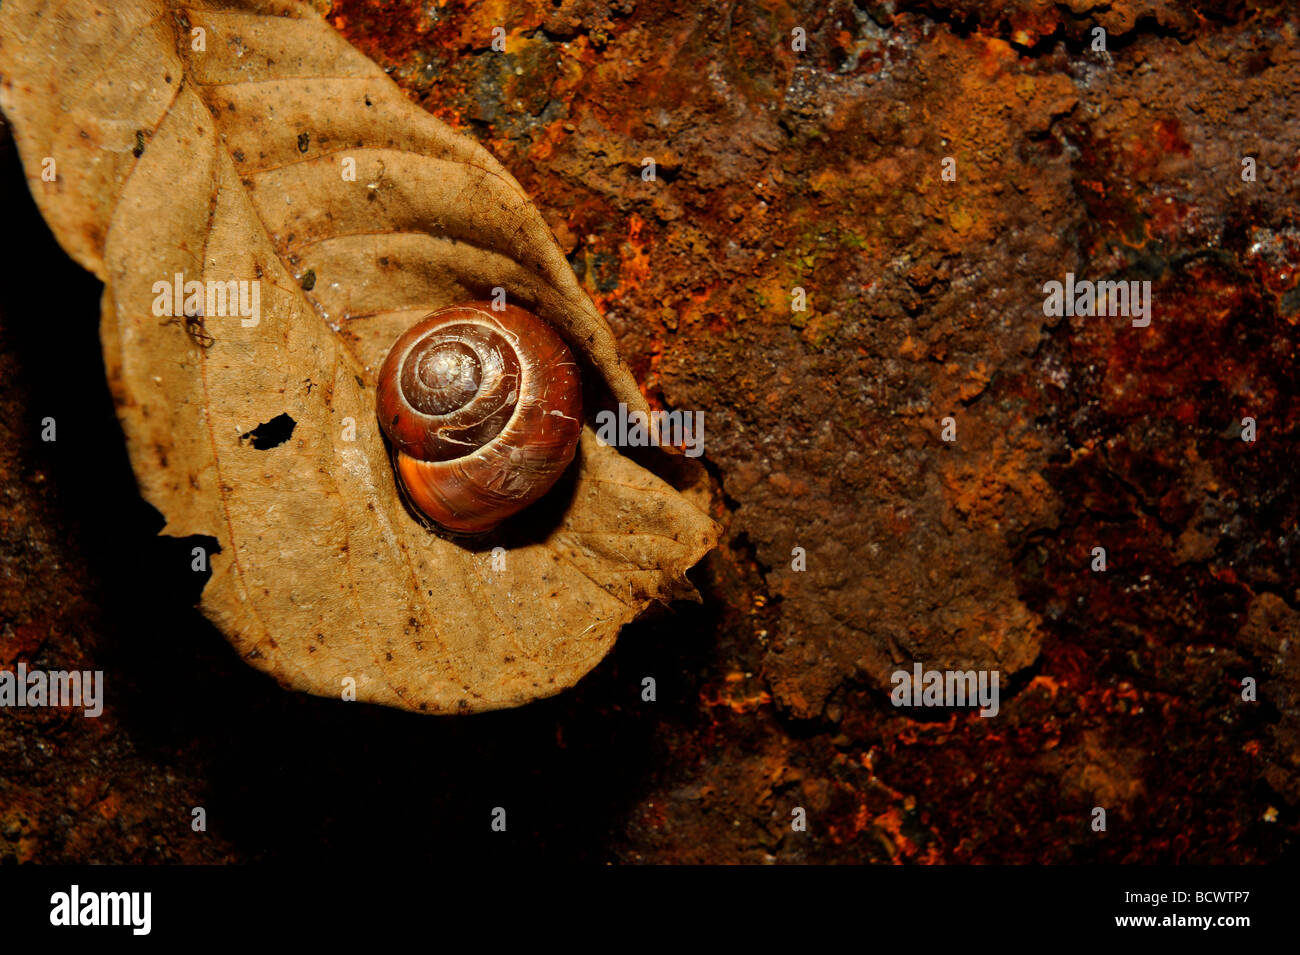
<point>270,434</point>
<point>304,140</point>
<point>309,280</point>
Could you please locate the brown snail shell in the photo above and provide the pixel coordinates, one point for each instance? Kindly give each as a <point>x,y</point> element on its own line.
<point>483,407</point>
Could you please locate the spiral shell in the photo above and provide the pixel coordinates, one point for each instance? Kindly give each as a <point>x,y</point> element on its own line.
<point>483,407</point>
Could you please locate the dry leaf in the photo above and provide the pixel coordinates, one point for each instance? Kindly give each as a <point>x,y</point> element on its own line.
<point>228,164</point>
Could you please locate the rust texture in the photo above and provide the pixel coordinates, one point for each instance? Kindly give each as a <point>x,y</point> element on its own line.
<point>779,169</point>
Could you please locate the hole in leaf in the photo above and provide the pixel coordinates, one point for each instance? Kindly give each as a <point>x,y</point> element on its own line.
<point>270,434</point>
<point>176,561</point>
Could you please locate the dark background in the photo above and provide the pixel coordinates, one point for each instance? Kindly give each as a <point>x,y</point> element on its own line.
<point>776,170</point>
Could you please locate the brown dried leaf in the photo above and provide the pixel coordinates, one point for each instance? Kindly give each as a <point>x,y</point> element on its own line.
<point>226,164</point>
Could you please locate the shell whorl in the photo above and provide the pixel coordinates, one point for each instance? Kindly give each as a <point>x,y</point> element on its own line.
<point>484,411</point>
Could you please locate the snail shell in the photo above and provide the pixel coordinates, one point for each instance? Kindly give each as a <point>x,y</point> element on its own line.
<point>483,409</point>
